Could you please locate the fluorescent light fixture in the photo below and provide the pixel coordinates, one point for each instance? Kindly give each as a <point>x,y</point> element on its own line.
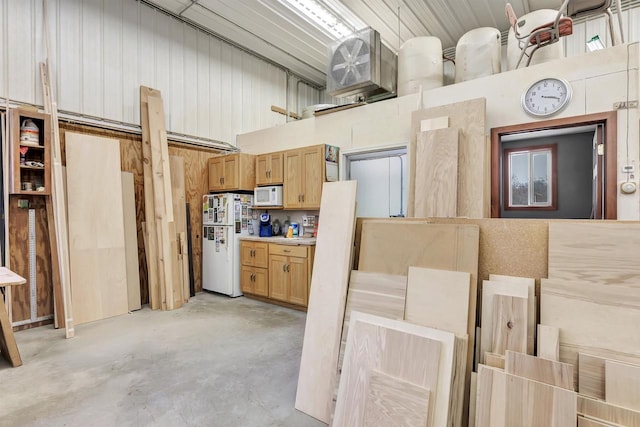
<point>323,17</point>
<point>595,44</point>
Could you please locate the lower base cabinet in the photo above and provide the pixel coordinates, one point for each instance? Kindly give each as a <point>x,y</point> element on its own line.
<point>254,280</point>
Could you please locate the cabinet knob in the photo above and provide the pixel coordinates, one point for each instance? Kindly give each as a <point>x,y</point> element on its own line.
<point>288,268</point>
<point>220,180</point>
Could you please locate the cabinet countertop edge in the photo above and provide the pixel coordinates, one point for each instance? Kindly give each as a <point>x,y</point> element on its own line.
<point>299,241</point>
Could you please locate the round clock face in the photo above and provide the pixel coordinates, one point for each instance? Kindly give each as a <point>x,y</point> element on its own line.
<point>546,97</point>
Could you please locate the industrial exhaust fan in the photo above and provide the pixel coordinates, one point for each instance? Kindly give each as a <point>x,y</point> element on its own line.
<point>361,65</point>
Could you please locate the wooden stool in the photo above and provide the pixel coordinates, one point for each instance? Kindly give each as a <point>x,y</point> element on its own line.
<point>8,346</point>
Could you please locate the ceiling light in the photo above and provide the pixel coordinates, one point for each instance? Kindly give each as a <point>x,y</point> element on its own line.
<point>321,16</point>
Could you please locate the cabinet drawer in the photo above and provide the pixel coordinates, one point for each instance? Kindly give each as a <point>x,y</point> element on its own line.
<point>286,250</point>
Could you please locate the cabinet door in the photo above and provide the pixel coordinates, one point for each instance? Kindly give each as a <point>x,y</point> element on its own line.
<point>230,177</point>
<point>276,175</point>
<point>260,255</point>
<point>216,172</point>
<point>262,169</point>
<point>293,179</point>
<point>246,280</point>
<point>261,282</point>
<point>298,285</point>
<point>246,253</point>
<point>278,277</point>
<point>313,159</point>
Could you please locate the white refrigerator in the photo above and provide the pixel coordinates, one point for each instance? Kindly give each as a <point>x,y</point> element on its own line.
<point>225,217</point>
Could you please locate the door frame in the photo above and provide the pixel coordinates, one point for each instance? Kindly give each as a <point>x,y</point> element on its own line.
<point>608,119</point>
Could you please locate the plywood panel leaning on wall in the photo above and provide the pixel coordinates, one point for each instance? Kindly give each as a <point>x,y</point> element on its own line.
<point>531,304</point>
<point>436,174</point>
<point>327,300</point>
<point>557,374</point>
<point>176,164</point>
<point>96,228</point>
<point>473,155</point>
<point>131,241</point>
<point>622,384</point>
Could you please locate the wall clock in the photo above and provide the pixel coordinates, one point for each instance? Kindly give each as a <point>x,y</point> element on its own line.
<point>546,97</point>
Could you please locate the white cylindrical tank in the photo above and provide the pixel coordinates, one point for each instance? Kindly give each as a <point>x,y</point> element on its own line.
<point>478,54</point>
<point>529,22</point>
<point>419,64</point>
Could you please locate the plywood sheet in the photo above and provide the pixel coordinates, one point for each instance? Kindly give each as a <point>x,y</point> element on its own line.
<point>473,396</point>
<point>622,384</point>
<point>327,300</point>
<point>509,400</point>
<point>586,422</point>
<point>436,174</point>
<point>595,252</point>
<point>542,370</point>
<point>376,343</point>
<point>531,304</point>
<point>509,324</point>
<point>473,156</point>
<point>393,402</point>
<point>607,412</point>
<point>96,228</point>
<point>433,124</point>
<point>548,342</point>
<point>131,241</point>
<point>578,310</point>
<point>438,299</point>
<point>489,290</point>
<point>494,360</point>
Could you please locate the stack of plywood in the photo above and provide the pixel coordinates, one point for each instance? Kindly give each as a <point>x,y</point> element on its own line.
<point>166,289</point>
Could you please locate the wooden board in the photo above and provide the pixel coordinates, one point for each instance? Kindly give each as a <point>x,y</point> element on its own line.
<point>506,400</point>
<point>489,290</point>
<point>438,299</point>
<point>393,402</point>
<point>327,299</point>
<point>473,155</point>
<point>494,360</point>
<point>389,246</point>
<point>542,370</point>
<point>509,324</point>
<point>531,304</point>
<point>591,375</point>
<point>176,164</point>
<point>383,344</point>
<point>586,422</point>
<point>473,397</point>
<point>622,384</point>
<point>607,412</point>
<point>8,346</point>
<point>549,342</point>
<point>595,252</point>
<point>96,228</point>
<point>436,173</point>
<point>131,241</point>
<point>577,309</point>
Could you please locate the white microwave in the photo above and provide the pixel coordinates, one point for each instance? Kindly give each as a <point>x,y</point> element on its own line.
<point>267,196</point>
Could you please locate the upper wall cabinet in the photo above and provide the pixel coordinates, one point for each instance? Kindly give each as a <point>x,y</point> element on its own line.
<point>232,172</point>
<point>30,157</point>
<point>269,169</point>
<point>304,173</point>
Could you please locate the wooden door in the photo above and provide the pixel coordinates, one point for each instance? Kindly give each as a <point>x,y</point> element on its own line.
<point>313,161</point>
<point>297,270</point>
<point>293,179</point>
<point>246,280</point>
<point>260,255</point>
<point>261,282</point>
<point>262,169</point>
<point>216,172</point>
<point>276,175</point>
<point>230,177</point>
<point>246,253</point>
<point>278,277</point>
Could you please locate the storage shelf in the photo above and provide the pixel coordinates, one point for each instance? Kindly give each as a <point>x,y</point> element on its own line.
<point>24,144</point>
<point>37,168</point>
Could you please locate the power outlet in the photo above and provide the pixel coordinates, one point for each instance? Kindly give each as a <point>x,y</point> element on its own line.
<point>628,169</point>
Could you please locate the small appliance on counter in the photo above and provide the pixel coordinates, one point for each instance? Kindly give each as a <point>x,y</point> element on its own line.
<point>265,225</point>
<point>308,225</point>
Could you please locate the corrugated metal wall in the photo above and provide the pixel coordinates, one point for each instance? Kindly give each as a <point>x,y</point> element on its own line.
<point>103,50</point>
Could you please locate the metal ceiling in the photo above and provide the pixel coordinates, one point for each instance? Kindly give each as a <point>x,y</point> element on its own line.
<point>273,31</point>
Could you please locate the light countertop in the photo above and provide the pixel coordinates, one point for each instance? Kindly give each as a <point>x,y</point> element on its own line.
<point>294,241</point>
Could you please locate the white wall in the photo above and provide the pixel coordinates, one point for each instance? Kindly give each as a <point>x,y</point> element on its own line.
<point>103,50</point>
<point>598,79</point>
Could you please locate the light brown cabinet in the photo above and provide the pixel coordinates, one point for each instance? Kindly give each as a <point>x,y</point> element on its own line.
<point>232,172</point>
<point>290,273</point>
<point>269,169</point>
<point>304,174</point>
<point>254,275</point>
<point>30,156</point>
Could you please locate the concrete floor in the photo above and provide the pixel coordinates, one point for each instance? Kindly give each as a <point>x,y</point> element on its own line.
<point>215,362</point>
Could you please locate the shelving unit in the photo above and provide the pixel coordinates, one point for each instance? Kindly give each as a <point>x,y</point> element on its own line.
<point>31,171</point>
